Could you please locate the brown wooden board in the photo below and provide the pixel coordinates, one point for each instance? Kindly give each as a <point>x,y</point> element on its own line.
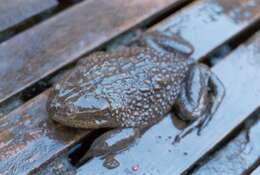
<point>236,157</point>
<point>256,171</point>
<point>206,24</point>
<point>45,48</point>
<point>45,129</point>
<point>155,152</point>
<point>28,138</point>
<point>60,166</point>
<point>14,11</point>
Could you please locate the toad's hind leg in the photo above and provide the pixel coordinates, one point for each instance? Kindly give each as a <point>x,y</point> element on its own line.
<point>201,95</point>
<point>110,143</point>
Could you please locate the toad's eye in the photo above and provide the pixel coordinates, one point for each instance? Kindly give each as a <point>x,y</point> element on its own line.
<point>92,105</point>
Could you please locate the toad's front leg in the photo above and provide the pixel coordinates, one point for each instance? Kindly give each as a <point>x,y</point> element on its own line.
<point>161,42</point>
<point>201,96</point>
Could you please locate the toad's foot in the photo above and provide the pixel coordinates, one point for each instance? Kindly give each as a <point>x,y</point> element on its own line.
<point>110,162</point>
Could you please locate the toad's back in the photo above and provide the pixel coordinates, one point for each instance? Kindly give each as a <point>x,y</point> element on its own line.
<point>140,85</point>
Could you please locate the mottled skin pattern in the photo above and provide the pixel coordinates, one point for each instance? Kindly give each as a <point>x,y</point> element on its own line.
<point>134,88</point>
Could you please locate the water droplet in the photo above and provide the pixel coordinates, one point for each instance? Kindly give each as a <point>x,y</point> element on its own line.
<point>135,167</point>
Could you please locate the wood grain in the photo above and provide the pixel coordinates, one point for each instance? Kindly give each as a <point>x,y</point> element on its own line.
<point>40,51</point>
<point>28,138</point>
<point>207,24</point>
<point>155,153</point>
<point>60,165</point>
<point>14,11</point>
<point>236,157</point>
<point>52,139</point>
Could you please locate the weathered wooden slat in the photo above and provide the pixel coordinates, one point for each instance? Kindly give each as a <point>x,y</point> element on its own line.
<point>236,157</point>
<point>36,132</point>
<point>206,24</point>
<point>256,171</point>
<point>60,166</point>
<point>28,138</point>
<point>43,49</point>
<point>155,153</point>
<point>14,11</point>
<point>49,138</point>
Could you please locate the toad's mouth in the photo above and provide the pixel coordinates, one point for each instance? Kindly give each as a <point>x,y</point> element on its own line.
<point>85,120</point>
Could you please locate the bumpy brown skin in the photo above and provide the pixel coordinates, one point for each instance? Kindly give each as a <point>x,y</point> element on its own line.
<point>132,89</point>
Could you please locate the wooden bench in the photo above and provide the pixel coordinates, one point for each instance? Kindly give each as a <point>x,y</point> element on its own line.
<point>31,143</point>
<point>13,12</point>
<point>239,156</point>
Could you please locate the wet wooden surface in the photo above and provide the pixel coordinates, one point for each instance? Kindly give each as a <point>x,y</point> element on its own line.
<point>28,139</point>
<point>42,50</point>
<point>226,19</point>
<point>207,24</point>
<point>14,11</point>
<point>155,152</point>
<point>51,139</point>
<point>32,119</point>
<point>60,166</point>
<point>236,157</point>
<point>256,171</point>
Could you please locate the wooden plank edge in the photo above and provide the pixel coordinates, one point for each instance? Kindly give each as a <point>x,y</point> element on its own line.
<point>13,12</point>
<point>237,157</point>
<point>256,171</point>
